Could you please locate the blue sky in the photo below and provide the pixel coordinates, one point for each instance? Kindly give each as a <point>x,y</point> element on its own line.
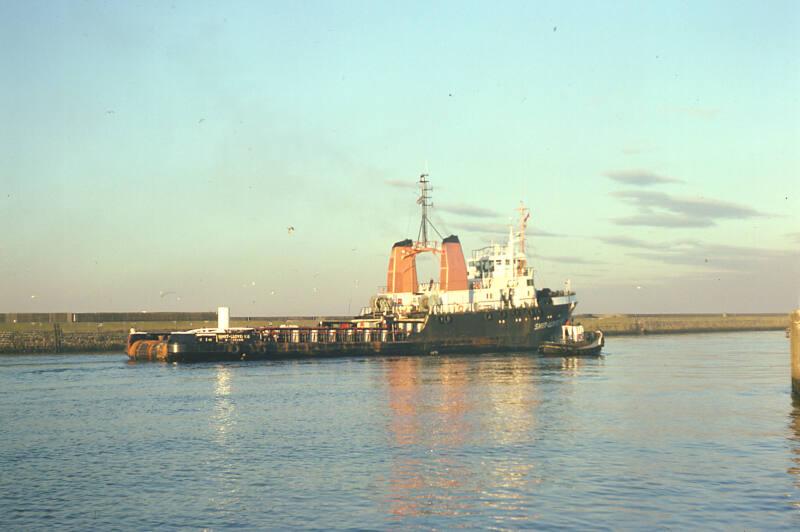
<point>153,154</point>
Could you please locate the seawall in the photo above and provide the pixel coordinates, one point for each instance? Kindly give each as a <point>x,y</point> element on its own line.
<point>636,324</point>
<point>21,342</point>
<point>110,336</point>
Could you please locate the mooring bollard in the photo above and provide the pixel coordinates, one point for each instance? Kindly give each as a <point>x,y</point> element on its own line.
<point>794,339</point>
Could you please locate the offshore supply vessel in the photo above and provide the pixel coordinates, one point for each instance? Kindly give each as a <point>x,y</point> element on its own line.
<point>486,304</point>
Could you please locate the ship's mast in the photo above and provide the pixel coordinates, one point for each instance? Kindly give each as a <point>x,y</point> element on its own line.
<point>424,201</point>
<point>524,216</point>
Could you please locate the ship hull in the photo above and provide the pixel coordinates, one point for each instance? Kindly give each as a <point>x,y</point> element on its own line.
<point>523,329</point>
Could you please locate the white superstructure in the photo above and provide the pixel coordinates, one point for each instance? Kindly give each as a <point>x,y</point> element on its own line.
<point>498,276</point>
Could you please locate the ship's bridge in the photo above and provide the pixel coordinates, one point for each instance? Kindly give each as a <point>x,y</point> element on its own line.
<point>495,260</point>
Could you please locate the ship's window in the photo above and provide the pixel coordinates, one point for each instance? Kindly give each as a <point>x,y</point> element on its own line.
<point>530,282</point>
<point>508,262</point>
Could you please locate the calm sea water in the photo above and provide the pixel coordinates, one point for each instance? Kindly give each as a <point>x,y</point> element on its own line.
<point>664,431</point>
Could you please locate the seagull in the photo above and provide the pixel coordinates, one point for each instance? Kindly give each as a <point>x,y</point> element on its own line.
<point>290,229</point>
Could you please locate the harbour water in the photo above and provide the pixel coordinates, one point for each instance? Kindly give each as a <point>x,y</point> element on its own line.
<point>676,431</point>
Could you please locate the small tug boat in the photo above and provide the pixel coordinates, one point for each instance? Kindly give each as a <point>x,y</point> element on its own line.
<point>486,304</point>
<point>574,342</point>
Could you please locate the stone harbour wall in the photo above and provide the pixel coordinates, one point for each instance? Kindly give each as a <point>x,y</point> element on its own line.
<point>20,342</point>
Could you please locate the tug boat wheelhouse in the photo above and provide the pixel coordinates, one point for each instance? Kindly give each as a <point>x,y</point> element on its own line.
<point>488,304</point>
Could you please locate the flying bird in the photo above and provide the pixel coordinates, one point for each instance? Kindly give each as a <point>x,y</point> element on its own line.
<point>290,229</point>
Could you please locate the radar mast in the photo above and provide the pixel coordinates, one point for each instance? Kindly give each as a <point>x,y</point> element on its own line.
<point>424,201</point>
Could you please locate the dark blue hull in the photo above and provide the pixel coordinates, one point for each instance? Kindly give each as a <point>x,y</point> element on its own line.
<point>523,329</point>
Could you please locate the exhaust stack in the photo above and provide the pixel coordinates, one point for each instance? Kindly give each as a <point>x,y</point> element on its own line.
<point>452,268</point>
<point>402,273</point>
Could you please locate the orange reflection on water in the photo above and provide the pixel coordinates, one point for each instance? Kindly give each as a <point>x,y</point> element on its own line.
<point>402,375</point>
<point>441,411</point>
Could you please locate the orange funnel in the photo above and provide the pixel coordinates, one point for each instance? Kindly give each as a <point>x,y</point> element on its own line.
<point>452,268</point>
<point>402,274</point>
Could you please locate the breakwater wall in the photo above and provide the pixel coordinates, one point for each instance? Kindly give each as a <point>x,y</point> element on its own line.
<point>57,341</point>
<point>635,324</point>
<point>41,335</point>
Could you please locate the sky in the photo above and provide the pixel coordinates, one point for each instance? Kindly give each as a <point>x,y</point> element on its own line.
<point>154,154</point>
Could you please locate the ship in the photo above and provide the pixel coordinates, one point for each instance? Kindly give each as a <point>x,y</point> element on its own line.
<point>486,304</point>
<point>574,341</point>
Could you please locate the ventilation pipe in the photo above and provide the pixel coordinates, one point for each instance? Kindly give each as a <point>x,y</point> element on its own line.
<point>223,318</point>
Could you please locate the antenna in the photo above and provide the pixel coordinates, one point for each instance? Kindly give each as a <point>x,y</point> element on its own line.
<point>524,216</point>
<point>424,201</point>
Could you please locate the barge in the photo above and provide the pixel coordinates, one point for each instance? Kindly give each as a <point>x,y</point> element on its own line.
<point>487,304</point>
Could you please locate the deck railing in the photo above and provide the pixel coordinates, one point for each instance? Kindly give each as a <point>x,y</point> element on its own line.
<point>330,335</point>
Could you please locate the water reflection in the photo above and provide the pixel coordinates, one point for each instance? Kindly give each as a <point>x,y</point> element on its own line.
<point>794,442</point>
<point>573,365</point>
<point>448,419</point>
<point>511,396</point>
<point>222,418</point>
<point>402,377</point>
